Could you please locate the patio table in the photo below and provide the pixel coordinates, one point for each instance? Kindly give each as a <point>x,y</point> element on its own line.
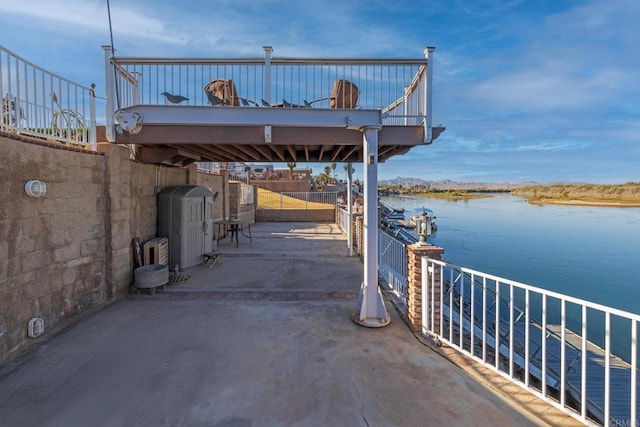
<point>233,228</point>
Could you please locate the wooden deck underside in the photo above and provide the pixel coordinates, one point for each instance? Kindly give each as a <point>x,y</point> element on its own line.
<point>160,143</point>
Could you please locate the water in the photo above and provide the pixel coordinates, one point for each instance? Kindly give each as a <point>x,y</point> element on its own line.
<point>591,253</point>
<point>587,252</point>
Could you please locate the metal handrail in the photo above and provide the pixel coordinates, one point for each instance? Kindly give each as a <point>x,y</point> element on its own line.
<point>42,104</point>
<point>562,378</point>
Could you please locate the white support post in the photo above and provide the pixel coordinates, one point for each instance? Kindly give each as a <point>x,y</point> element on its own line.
<point>350,209</point>
<point>268,50</point>
<point>428,96</point>
<point>372,313</point>
<point>92,118</point>
<point>109,82</point>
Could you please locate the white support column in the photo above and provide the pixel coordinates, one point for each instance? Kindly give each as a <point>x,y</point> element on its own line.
<point>109,83</point>
<point>373,312</point>
<point>350,209</point>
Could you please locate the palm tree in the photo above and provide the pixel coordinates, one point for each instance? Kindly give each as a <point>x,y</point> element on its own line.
<point>346,170</point>
<point>323,177</point>
<point>327,172</point>
<point>333,167</point>
<point>291,166</point>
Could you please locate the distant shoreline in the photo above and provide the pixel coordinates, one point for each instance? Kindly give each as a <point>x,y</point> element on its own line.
<point>584,203</point>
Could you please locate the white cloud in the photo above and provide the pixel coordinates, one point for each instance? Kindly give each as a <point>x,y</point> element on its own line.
<point>81,16</point>
<point>550,87</point>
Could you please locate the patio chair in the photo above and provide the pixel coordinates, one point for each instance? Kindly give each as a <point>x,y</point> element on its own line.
<point>343,95</point>
<point>222,92</point>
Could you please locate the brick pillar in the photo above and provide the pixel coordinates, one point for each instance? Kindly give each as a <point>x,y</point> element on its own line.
<point>415,253</point>
<point>354,235</point>
<point>358,234</point>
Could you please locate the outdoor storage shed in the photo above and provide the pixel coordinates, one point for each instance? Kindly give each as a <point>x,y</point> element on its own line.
<point>185,216</point>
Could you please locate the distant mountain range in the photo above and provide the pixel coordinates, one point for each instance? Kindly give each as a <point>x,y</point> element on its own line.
<point>451,185</point>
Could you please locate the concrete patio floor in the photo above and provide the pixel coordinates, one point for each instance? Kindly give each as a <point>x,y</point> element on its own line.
<point>263,338</point>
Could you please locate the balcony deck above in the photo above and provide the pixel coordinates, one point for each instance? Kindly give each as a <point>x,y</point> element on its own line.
<point>186,110</point>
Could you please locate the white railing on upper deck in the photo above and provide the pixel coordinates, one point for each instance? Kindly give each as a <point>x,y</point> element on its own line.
<point>398,87</point>
<point>36,102</point>
<point>580,356</point>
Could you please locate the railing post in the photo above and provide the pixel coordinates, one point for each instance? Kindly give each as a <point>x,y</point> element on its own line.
<point>16,96</point>
<point>350,209</point>
<point>428,96</point>
<point>268,50</point>
<point>415,298</point>
<point>109,81</point>
<point>92,118</point>
<point>405,103</point>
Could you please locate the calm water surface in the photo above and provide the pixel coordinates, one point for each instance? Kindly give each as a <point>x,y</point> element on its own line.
<point>591,253</point>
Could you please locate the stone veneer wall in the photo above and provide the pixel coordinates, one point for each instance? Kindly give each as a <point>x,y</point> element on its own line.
<point>237,210</point>
<point>70,250</point>
<point>296,215</point>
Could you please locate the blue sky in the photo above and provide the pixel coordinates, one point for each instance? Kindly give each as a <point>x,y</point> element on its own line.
<point>536,90</point>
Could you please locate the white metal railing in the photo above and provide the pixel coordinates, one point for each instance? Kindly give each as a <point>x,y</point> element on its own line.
<point>398,87</point>
<point>392,259</point>
<point>580,356</point>
<point>392,264</point>
<point>296,199</point>
<point>344,222</point>
<point>38,103</point>
<point>242,177</point>
<point>216,167</point>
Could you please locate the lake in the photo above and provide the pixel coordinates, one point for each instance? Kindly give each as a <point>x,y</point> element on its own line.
<point>587,252</point>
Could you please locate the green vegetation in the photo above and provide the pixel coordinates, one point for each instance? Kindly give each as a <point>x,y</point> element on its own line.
<point>426,191</point>
<point>571,194</point>
<point>582,194</point>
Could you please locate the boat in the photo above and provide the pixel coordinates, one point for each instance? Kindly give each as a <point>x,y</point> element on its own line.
<point>417,216</point>
<point>395,223</point>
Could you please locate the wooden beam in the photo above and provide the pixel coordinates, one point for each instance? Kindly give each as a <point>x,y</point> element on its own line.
<point>153,155</point>
<point>321,152</point>
<point>265,151</point>
<point>209,152</point>
<point>336,151</point>
<point>292,151</point>
<point>249,151</point>
<point>353,150</point>
<point>278,150</point>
